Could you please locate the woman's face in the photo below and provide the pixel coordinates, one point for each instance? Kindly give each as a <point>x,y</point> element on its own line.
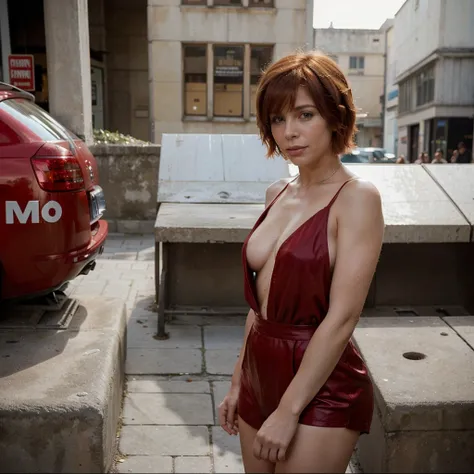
<point>302,134</point>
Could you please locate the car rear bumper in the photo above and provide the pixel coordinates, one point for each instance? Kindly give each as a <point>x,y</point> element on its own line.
<point>50,272</point>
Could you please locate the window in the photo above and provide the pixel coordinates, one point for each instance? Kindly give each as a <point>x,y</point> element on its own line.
<point>195,80</point>
<point>194,2</point>
<point>357,62</point>
<point>260,57</point>
<point>425,87</point>
<point>261,3</point>
<point>404,101</point>
<point>221,80</point>
<point>228,81</point>
<point>228,2</point>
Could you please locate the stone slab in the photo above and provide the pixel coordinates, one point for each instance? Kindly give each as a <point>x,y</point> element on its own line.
<point>176,222</point>
<point>193,464</point>
<point>457,181</point>
<point>221,361</point>
<point>216,168</point>
<point>435,393</point>
<point>151,384</point>
<point>227,453</point>
<point>61,391</point>
<point>141,332</point>
<point>415,207</point>
<point>163,361</point>
<point>146,464</point>
<point>165,440</point>
<point>168,409</point>
<point>223,337</point>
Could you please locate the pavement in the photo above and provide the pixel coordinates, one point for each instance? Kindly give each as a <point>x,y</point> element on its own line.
<point>173,387</point>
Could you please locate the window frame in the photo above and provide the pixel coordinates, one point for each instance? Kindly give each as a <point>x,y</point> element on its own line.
<point>183,56</point>
<point>210,116</point>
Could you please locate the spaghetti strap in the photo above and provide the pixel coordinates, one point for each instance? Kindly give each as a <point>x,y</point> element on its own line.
<point>339,190</point>
<point>280,193</point>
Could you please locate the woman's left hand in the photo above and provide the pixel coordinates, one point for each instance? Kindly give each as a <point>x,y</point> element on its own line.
<point>273,438</point>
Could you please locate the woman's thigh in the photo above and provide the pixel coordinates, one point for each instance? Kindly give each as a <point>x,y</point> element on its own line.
<point>251,463</point>
<point>317,449</point>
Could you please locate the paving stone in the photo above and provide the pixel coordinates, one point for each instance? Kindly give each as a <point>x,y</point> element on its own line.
<point>165,440</point>
<point>223,337</point>
<point>192,464</point>
<point>141,332</point>
<point>227,454</point>
<point>124,266</point>
<point>117,289</point>
<point>168,409</point>
<point>163,361</point>
<point>146,464</point>
<point>220,390</point>
<point>154,384</point>
<point>221,361</point>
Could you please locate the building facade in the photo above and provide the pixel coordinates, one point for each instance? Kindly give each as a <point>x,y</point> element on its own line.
<point>360,55</point>
<point>390,127</point>
<point>433,43</point>
<point>147,67</point>
<point>206,57</point>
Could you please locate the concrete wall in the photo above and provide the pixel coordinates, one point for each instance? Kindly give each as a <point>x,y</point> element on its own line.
<point>391,95</point>
<point>127,67</point>
<point>171,24</point>
<point>129,177</point>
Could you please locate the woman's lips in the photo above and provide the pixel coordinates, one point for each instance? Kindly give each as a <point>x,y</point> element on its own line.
<point>296,151</point>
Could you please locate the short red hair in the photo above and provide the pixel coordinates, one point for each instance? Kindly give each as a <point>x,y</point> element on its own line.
<point>327,86</point>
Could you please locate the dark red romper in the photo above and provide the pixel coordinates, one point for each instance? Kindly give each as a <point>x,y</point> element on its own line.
<point>298,301</point>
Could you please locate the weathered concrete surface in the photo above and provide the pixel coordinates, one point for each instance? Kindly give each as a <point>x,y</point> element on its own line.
<point>456,180</point>
<point>129,176</point>
<point>61,392</point>
<point>415,207</point>
<point>424,417</point>
<point>194,223</point>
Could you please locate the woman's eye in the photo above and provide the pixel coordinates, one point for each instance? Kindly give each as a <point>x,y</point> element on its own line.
<point>306,115</point>
<point>277,119</point>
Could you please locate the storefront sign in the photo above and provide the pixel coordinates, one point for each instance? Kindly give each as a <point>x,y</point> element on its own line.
<point>22,71</point>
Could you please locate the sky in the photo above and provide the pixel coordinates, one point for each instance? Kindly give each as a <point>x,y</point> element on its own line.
<point>367,14</point>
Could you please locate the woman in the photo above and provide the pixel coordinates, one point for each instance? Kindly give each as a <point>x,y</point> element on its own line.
<point>300,394</point>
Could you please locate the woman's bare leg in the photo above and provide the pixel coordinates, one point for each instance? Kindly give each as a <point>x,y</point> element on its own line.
<point>251,463</point>
<point>317,449</point>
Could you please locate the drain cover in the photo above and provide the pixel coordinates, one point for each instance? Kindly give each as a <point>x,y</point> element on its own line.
<point>29,315</point>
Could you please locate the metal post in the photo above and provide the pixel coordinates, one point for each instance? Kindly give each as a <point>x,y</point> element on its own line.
<point>161,275</point>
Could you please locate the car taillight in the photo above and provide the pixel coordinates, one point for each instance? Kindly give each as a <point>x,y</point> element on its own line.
<point>58,174</point>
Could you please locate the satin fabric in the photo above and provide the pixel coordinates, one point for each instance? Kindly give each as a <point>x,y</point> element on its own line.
<point>298,301</point>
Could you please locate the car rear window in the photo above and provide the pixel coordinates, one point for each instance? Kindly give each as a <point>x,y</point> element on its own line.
<point>36,119</point>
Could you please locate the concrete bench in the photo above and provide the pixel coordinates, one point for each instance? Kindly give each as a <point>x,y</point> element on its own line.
<point>422,367</point>
<point>211,189</point>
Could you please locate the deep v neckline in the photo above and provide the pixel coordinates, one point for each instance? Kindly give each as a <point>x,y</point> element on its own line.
<point>283,244</point>
<point>248,270</point>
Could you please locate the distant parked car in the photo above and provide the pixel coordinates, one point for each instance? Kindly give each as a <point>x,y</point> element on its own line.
<point>51,203</point>
<point>368,155</point>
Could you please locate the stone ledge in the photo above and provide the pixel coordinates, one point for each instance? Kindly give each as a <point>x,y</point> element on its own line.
<point>61,392</point>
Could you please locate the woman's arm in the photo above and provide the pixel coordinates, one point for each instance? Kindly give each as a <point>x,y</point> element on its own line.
<point>360,230</point>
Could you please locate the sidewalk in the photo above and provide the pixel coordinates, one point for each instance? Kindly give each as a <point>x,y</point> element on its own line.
<point>174,386</point>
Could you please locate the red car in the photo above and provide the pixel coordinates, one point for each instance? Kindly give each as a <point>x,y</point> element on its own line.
<point>50,202</point>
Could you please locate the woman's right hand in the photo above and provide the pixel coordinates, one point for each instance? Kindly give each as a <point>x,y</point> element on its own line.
<point>228,416</point>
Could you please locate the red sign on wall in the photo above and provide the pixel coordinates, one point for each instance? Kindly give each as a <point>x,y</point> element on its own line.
<point>22,71</point>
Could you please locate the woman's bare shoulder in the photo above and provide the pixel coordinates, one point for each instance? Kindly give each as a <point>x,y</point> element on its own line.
<point>274,188</point>
<point>360,197</point>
